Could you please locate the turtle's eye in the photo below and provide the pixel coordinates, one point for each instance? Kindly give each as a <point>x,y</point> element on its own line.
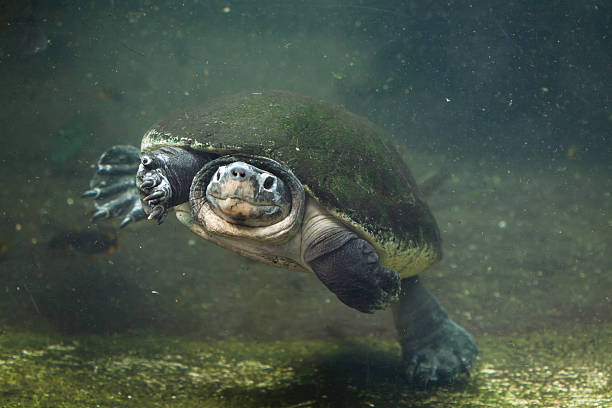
<point>146,161</point>
<point>268,182</point>
<point>218,175</point>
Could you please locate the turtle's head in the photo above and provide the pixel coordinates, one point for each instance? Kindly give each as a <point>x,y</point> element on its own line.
<point>244,194</point>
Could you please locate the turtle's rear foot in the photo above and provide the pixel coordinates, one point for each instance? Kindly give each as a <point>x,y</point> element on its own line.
<point>436,351</point>
<point>113,186</point>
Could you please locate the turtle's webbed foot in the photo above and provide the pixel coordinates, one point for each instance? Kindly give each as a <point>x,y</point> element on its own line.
<point>127,206</point>
<point>440,358</point>
<point>113,186</point>
<point>103,190</point>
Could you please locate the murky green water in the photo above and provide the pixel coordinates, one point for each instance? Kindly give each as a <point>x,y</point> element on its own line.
<point>511,98</point>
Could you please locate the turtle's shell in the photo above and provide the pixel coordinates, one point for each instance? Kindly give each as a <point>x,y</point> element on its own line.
<point>344,161</point>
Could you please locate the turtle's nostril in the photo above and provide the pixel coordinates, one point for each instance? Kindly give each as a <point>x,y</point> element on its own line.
<point>239,173</point>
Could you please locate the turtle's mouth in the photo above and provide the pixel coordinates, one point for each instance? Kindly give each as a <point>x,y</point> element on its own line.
<point>240,211</point>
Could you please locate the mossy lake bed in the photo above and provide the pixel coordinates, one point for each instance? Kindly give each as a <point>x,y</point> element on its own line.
<point>544,369</point>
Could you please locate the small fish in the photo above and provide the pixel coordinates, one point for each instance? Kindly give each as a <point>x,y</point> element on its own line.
<point>87,242</point>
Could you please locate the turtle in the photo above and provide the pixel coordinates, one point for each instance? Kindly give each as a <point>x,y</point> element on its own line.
<point>302,184</point>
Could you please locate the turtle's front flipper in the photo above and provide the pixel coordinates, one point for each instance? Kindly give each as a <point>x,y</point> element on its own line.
<point>349,267</point>
<point>164,178</point>
<point>436,351</point>
<point>113,186</point>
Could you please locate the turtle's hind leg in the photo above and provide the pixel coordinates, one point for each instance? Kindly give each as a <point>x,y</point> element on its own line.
<point>435,349</point>
<point>113,185</point>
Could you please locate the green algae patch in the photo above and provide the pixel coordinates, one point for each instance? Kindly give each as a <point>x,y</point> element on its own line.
<point>547,369</point>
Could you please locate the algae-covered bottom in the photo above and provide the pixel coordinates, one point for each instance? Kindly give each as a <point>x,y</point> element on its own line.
<point>547,369</point>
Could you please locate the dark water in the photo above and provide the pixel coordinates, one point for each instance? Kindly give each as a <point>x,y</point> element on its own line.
<point>511,97</point>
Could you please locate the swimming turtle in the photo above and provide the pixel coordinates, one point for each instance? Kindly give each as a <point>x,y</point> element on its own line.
<point>298,183</point>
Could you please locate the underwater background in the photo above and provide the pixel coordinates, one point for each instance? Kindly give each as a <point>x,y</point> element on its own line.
<point>512,98</point>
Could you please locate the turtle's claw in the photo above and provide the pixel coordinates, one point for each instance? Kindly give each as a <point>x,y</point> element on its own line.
<point>125,222</point>
<point>100,214</point>
<point>94,192</point>
<point>136,214</point>
<point>101,191</point>
<point>151,179</point>
<point>155,190</point>
<point>127,204</point>
<point>158,213</point>
<point>148,183</point>
<point>155,197</point>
